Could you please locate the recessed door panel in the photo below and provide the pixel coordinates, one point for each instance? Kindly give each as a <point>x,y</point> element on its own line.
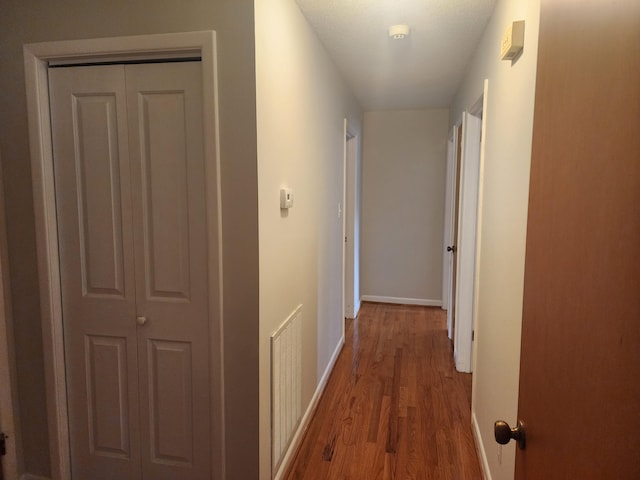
<point>106,360</point>
<point>170,410</point>
<point>165,201</point>
<point>98,179</point>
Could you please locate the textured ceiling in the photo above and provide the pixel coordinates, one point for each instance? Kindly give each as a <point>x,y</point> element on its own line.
<point>423,70</point>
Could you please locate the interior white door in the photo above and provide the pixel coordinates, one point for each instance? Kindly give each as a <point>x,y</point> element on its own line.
<point>130,198</point>
<point>466,244</point>
<point>449,219</point>
<point>95,228</point>
<point>170,236</point>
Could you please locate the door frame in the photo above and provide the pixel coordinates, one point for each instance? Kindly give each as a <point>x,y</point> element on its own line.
<point>480,107</point>
<point>468,242</point>
<point>37,57</point>
<point>350,191</point>
<point>8,408</point>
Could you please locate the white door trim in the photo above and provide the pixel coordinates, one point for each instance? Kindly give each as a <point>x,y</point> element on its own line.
<point>469,231</point>
<point>353,217</point>
<point>481,108</point>
<point>8,413</point>
<point>36,59</point>
<point>342,209</point>
<point>350,307</point>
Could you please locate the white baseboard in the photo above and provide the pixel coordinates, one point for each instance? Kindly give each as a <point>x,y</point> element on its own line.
<point>402,301</point>
<point>28,476</point>
<point>308,415</point>
<point>480,450</point>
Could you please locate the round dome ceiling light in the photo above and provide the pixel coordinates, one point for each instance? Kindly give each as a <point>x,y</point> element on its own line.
<point>398,32</point>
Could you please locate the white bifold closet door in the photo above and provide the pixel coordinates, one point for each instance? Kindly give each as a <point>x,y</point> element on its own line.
<point>130,199</point>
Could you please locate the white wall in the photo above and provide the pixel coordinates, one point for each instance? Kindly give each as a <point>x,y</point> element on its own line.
<point>505,186</point>
<point>403,182</point>
<point>301,106</point>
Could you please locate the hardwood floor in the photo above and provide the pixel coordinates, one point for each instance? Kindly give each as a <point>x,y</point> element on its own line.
<point>394,406</point>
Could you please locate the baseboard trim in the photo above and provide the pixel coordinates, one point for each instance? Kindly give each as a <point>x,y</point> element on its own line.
<point>308,415</point>
<point>480,450</point>
<point>28,476</point>
<point>402,301</point>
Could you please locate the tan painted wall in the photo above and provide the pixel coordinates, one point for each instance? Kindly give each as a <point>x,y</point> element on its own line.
<point>8,385</point>
<point>509,117</point>
<point>35,21</point>
<point>301,104</point>
<point>403,177</point>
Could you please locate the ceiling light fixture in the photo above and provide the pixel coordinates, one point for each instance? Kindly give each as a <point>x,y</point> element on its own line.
<point>398,32</point>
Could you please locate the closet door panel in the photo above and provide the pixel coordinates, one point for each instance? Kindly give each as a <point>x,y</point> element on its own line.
<point>93,201</point>
<point>163,155</point>
<point>171,402</point>
<point>167,160</point>
<point>107,390</point>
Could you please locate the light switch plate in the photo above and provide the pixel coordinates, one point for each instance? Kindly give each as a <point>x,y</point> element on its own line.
<point>286,198</point>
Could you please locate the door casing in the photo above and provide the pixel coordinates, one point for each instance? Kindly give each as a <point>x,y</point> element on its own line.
<point>351,295</point>
<point>162,46</point>
<point>468,241</point>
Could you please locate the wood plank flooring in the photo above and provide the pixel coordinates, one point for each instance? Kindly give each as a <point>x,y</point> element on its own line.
<point>394,406</point>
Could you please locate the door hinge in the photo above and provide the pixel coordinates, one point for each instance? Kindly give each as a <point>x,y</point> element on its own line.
<point>473,335</point>
<point>3,444</point>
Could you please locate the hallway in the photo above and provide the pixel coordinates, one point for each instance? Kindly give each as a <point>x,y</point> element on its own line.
<point>394,406</point>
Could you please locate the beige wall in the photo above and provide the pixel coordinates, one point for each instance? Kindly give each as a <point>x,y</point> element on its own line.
<point>35,21</point>
<point>8,386</point>
<point>301,105</point>
<point>403,179</point>
<point>509,123</point>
